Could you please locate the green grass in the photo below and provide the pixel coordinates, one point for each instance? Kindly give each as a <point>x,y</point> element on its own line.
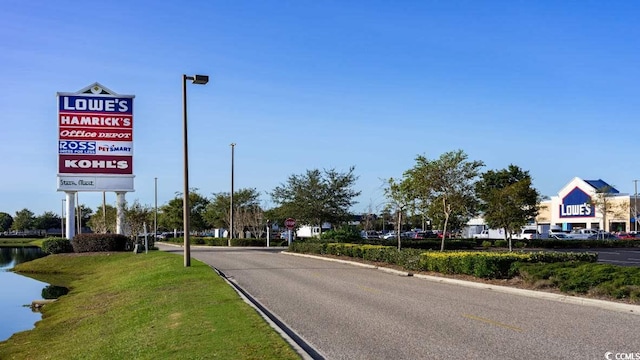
<point>14,242</point>
<point>145,306</point>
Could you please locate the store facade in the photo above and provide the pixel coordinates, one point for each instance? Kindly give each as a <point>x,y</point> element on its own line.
<point>589,204</point>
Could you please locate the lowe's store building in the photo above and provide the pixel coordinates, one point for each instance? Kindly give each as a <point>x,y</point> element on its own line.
<point>589,204</point>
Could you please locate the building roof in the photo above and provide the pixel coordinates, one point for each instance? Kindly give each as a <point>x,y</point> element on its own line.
<point>601,184</point>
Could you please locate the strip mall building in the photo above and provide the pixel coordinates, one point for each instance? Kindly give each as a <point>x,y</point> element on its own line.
<point>589,204</point>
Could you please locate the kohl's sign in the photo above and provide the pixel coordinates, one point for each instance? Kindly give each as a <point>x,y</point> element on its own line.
<point>577,203</point>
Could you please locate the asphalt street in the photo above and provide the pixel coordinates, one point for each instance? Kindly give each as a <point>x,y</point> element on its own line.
<point>351,312</point>
<point>618,256</point>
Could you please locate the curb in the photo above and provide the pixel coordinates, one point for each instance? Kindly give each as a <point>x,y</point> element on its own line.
<point>568,299</point>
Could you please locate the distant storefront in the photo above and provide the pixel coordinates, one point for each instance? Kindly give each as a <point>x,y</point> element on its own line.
<point>589,204</point>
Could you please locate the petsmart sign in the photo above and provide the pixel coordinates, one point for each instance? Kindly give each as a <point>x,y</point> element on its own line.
<point>577,203</point>
<point>95,140</point>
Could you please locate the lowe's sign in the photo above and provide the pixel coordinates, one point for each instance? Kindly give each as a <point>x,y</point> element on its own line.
<point>577,203</point>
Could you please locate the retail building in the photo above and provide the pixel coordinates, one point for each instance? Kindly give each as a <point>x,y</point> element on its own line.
<point>589,204</point>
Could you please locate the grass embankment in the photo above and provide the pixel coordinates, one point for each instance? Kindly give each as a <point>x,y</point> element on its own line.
<point>127,306</point>
<point>17,242</point>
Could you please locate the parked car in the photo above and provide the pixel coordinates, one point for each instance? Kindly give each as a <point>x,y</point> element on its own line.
<point>425,235</point>
<point>559,236</point>
<point>625,236</point>
<point>390,235</point>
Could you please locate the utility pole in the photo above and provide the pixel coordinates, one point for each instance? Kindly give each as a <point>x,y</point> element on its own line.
<point>231,206</point>
<point>635,207</point>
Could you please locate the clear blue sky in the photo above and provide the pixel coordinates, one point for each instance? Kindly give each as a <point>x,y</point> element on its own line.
<point>550,86</point>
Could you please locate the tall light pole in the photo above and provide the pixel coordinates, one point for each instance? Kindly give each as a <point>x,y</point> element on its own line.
<point>155,215</point>
<point>198,80</point>
<point>233,145</point>
<point>62,235</point>
<point>635,207</point>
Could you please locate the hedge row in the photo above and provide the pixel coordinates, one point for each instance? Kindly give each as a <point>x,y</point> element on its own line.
<point>100,243</point>
<point>57,246</point>
<point>211,241</point>
<point>476,263</point>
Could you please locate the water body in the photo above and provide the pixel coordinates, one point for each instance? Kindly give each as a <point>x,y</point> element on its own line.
<point>16,291</point>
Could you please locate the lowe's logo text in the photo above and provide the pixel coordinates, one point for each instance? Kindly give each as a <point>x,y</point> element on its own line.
<point>575,210</point>
<point>93,104</point>
<point>577,203</point>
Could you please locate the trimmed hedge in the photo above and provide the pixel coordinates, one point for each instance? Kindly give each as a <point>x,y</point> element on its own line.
<point>57,246</point>
<point>211,241</point>
<point>476,263</point>
<point>100,243</point>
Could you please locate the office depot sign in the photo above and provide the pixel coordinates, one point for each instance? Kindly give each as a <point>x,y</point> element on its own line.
<point>95,137</point>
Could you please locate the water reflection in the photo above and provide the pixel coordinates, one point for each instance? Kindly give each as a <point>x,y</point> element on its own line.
<point>17,291</point>
<point>12,256</point>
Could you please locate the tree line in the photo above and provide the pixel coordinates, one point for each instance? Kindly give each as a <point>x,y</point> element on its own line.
<point>447,191</point>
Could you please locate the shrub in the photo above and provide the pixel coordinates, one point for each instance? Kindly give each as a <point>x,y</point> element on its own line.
<point>599,279</point>
<point>486,244</point>
<point>248,242</point>
<point>100,243</point>
<point>502,243</point>
<point>344,235</point>
<point>56,246</point>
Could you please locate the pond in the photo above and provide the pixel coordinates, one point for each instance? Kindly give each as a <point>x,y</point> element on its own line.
<point>17,291</point>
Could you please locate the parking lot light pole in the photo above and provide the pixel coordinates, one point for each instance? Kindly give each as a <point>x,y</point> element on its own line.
<point>635,207</point>
<point>155,215</point>
<point>231,212</point>
<point>198,80</point>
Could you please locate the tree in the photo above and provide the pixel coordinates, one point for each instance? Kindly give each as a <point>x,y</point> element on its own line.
<point>6,221</point>
<point>23,220</point>
<point>48,220</point>
<point>85,215</point>
<point>448,183</point>
<point>246,204</point>
<point>317,197</point>
<point>103,222</point>
<point>401,196</point>
<point>171,215</point>
<point>136,216</point>
<point>602,200</point>
<point>507,199</point>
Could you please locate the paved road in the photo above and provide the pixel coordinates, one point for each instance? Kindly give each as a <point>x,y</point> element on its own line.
<point>619,256</point>
<point>350,312</point>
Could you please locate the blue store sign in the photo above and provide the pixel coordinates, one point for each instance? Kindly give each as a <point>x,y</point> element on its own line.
<point>577,203</point>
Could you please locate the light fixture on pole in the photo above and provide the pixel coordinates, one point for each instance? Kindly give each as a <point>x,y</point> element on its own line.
<point>231,217</point>
<point>198,80</point>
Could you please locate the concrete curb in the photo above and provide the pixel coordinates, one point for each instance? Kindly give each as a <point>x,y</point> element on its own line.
<point>603,304</point>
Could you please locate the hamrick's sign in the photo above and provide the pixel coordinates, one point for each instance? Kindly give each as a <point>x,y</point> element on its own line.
<point>95,138</point>
<point>577,203</point>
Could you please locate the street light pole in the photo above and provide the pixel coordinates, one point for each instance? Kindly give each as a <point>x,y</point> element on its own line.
<point>231,217</point>
<point>635,207</point>
<point>155,215</point>
<point>199,80</point>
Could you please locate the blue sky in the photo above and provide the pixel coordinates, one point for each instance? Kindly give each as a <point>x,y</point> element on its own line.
<point>546,85</point>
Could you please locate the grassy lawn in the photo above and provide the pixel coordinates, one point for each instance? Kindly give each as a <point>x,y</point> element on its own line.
<point>14,242</point>
<point>145,306</point>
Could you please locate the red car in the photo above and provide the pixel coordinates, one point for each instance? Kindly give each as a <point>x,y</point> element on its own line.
<point>625,236</point>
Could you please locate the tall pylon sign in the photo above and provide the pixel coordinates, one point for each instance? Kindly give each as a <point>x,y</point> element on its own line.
<point>95,147</point>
